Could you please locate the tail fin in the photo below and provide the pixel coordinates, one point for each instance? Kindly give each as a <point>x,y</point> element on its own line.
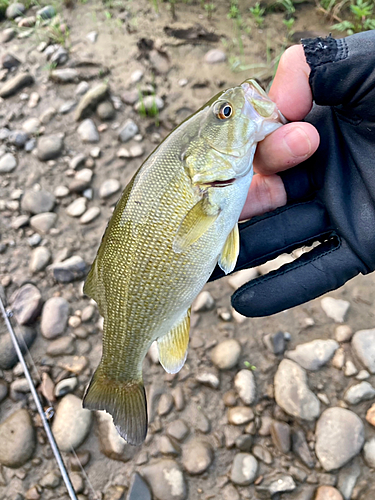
<point>125,401</point>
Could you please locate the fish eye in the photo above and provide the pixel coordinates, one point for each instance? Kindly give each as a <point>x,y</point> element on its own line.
<point>225,111</point>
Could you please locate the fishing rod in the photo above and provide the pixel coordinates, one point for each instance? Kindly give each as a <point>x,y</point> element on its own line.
<point>47,428</point>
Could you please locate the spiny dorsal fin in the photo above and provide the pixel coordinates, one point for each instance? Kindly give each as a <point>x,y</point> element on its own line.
<point>231,249</point>
<point>173,346</point>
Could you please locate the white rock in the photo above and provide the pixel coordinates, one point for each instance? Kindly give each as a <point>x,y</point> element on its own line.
<point>313,355</point>
<point>77,207</point>
<point>244,383</point>
<point>71,424</point>
<point>226,354</point>
<point>335,309</point>
<point>91,214</point>
<point>343,333</point>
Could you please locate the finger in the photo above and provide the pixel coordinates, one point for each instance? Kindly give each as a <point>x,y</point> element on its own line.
<point>286,147</point>
<point>325,268</point>
<point>290,89</point>
<point>266,193</point>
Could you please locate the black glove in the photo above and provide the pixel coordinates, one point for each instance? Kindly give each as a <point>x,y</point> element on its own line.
<point>331,196</point>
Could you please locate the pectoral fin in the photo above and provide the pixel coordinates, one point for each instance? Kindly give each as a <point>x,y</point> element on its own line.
<point>197,221</point>
<point>229,254</point>
<point>173,346</point>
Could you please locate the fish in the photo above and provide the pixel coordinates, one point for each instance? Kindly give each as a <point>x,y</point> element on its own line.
<point>176,220</point>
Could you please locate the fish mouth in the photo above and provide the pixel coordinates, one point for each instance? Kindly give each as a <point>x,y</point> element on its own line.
<point>226,182</point>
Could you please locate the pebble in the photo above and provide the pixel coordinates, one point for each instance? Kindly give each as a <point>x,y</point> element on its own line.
<point>280,433</point>
<point>88,132</point>
<point>69,270</point>
<point>339,437</point>
<point>369,452</point>
<point>50,147</point>
<point>239,415</point>
<point>92,36</point>
<point>90,100</point>
<point>197,456</point>
<point>215,56</point>
<point>350,369</point>
<point>343,333</point>
<point>87,313</point>
<point>244,383</point>
<point>262,454</point>
<point>338,359</point>
<point>363,344</point>
<point>14,10</point>
<point>347,479</point>
<point>204,302</point>
<point>327,493</point>
<point>8,61</point>
<point>71,423</point>
<point>82,88</point>
<point>31,126</point>
<point>335,309</point>
<point>51,480</point>
<point>274,484</point>
<point>8,163</point>
<point>79,460</point>
<point>7,35</point>
<point>33,100</point>
<point>292,393</point>
<point>67,107</point>
<point>61,347</point>
<point>40,257</point>
<point>301,449</point>
<point>8,356</point>
<point>128,131</point>
<point>275,342</point>
<point>77,207</point>
<point>54,317</point>
<point>91,214</point>
<point>43,222</point>
<point>363,375</point>
<point>136,151</point>
<point>111,443</point>
<point>226,354</point>
<point>61,191</point>
<point>166,480</point>
<point>359,392</point>
<point>106,111</point>
<point>138,489</point>
<point>37,202</point>
<point>60,56</point>
<point>65,386</point>
<point>47,115</point>
<point>370,415</point>
<point>108,188</point>
<point>15,84</point>
<point>178,430</point>
<point>26,304</point>
<point>165,404</point>
<point>65,75</point>
<point>17,439</point>
<point>18,138</point>
<point>244,469</point>
<point>46,12</point>
<point>208,378</point>
<point>313,355</point>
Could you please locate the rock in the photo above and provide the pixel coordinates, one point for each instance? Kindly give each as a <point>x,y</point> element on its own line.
<point>37,202</point>
<point>363,344</point>
<point>91,214</point>
<point>108,188</point>
<point>31,126</point>
<point>327,493</point>
<point>150,104</point>
<point>7,35</point>
<point>262,454</point>
<point>165,404</point>
<point>301,449</point>
<point>61,347</point>
<point>347,479</point>
<point>350,369</point>
<point>215,56</point>
<point>69,270</point>
<point>65,386</point>
<point>338,359</point>
<point>26,22</point>
<point>15,84</point>
<point>239,415</point>
<point>111,443</point>
<point>17,439</point>
<point>276,483</point>
<point>8,356</point>
<point>280,433</point>
<point>87,313</point>
<point>244,383</point>
<point>292,393</point>
<point>18,138</point>
<point>3,390</point>
<point>335,308</point>
<point>77,207</point>
<point>166,480</point>
<point>130,97</point>
<point>82,88</point>
<point>26,304</point>
<point>51,480</point>
<point>343,333</point>
<point>90,100</point>
<point>20,221</point>
<point>138,489</point>
<point>8,61</point>
<point>178,430</point>
<point>40,257</point>
<point>339,437</point>
<point>8,163</point>
<point>42,223</point>
<point>208,378</point>
<point>54,317</point>
<point>370,415</point>
<point>275,342</point>
<point>81,180</point>
<point>106,111</point>
<point>47,115</point>
<point>33,100</point>
<point>79,460</point>
<point>128,131</point>
<point>92,36</point>
<point>88,132</point>
<point>14,10</point>
<point>313,355</point>
<point>67,107</point>
<point>359,392</point>
<point>65,75</point>
<point>136,151</point>
<point>226,354</point>
<point>204,302</point>
<point>61,191</point>
<point>369,452</point>
<point>47,12</point>
<point>197,456</point>
<point>244,469</point>
<point>71,424</point>
<point>60,56</point>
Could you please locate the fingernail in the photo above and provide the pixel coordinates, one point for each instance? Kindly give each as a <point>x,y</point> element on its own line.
<point>298,142</point>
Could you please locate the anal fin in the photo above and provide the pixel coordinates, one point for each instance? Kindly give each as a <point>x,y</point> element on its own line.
<point>173,346</point>
<point>231,249</point>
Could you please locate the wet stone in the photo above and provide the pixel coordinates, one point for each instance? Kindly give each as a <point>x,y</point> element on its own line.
<point>71,423</point>
<point>359,392</point>
<point>197,456</point>
<point>108,188</point>
<point>26,304</point>
<point>313,355</point>
<point>244,383</point>
<point>363,344</point>
<point>8,163</point>
<point>15,84</point>
<point>69,270</point>
<point>111,443</point>
<point>40,257</point>
<point>88,132</point>
<point>280,433</point>
<point>240,415</point>
<point>128,131</point>
<point>8,356</point>
<point>79,460</point>
<point>226,354</point>
<point>37,202</point>
<point>138,489</point>
<point>54,317</point>
<point>50,147</point>
<point>244,469</point>
<point>335,309</point>
<point>166,480</point>
<point>17,439</point>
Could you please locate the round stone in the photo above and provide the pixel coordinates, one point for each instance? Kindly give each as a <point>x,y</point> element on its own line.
<point>8,163</point>
<point>197,456</point>
<point>26,304</point>
<point>50,147</point>
<point>108,188</point>
<point>244,383</point>
<point>166,480</point>
<point>244,469</point>
<point>343,333</point>
<point>14,10</point>
<point>239,415</point>
<point>31,126</point>
<point>178,430</point>
<point>65,386</point>
<point>88,132</point>
<point>327,493</point>
<point>363,344</point>
<point>105,110</point>
<point>91,214</point>
<point>43,222</point>
<point>77,207</point>
<point>37,202</point>
<point>359,392</point>
<point>17,439</point>
<point>40,257</point>
<point>54,317</point>
<point>61,347</point>
<point>369,452</point>
<point>226,354</point>
<point>215,56</point>
<point>128,131</point>
<point>71,424</point>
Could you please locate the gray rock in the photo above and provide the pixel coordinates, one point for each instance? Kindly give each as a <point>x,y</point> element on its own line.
<point>166,480</point>
<point>339,437</point>
<point>8,356</point>
<point>90,100</point>
<point>138,489</point>
<point>51,480</point>
<point>4,133</point>
<point>71,424</point>
<point>178,430</point>
<point>17,439</point>
<point>350,369</point>
<point>215,56</point>
<point>275,484</point>
<point>14,10</point>
<point>47,12</point>
<point>275,342</point>
<point>8,61</point>
<point>301,449</point>
<point>26,304</point>
<point>91,214</point>
<point>50,147</point>
<point>43,222</point>
<point>111,443</point>
<point>40,257</point>
<point>31,126</point>
<point>82,88</point>
<point>197,456</point>
<point>62,346</point>
<point>20,221</point>
<point>60,56</point>
<point>30,145</point>
<point>8,163</point>
<point>15,84</point>
<point>359,392</point>
<point>363,344</point>
<point>347,479</point>
<point>369,452</point>
<point>69,270</point>
<point>226,354</point>
<point>130,97</point>
<point>7,35</point>
<point>67,107</point>
<point>335,308</point>
<point>292,393</point>
<point>106,111</point>
<point>65,386</point>
<point>280,433</point>
<point>37,202</point>
<point>262,454</point>
<point>3,390</point>
<point>54,317</point>
<point>239,415</point>
<point>18,138</point>
<point>165,404</point>
<point>34,240</point>
<point>244,383</point>
<point>64,75</point>
<point>61,191</point>
<point>313,355</point>
<point>77,207</point>
<point>244,469</point>
<point>108,188</point>
<point>128,131</point>
<point>47,115</point>
<point>88,132</point>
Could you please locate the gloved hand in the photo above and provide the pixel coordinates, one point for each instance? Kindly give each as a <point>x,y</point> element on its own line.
<point>330,196</point>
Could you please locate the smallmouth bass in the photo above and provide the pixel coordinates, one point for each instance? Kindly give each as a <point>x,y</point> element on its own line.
<point>176,220</point>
